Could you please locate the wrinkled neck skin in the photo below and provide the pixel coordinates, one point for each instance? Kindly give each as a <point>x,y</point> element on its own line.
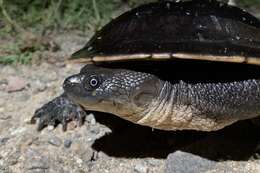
<point>203,107</point>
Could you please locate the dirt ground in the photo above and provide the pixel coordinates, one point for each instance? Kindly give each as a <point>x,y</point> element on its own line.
<point>104,143</point>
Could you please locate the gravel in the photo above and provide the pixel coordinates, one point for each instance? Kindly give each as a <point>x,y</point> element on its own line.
<point>3,141</point>
<point>35,160</point>
<point>67,143</point>
<point>141,168</point>
<point>55,141</point>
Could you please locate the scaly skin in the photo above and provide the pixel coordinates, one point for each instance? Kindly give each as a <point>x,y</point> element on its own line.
<point>145,99</point>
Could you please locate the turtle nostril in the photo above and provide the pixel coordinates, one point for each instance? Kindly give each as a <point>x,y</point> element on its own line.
<point>67,84</point>
<point>71,81</point>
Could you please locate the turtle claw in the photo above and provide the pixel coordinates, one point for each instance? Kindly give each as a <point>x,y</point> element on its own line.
<point>59,110</point>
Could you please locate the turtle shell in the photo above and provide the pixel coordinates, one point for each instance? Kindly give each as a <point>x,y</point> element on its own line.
<point>198,29</point>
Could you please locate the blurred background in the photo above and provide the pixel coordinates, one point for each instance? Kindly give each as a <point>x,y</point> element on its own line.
<point>27,25</point>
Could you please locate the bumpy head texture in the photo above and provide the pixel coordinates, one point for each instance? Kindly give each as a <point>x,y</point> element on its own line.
<point>121,92</point>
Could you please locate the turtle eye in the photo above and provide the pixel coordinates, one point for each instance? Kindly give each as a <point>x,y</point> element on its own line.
<point>92,82</point>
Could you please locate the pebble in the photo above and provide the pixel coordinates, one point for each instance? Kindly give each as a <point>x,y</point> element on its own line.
<point>153,162</point>
<point>53,140</point>
<point>2,109</point>
<point>50,127</point>
<point>90,139</point>
<point>3,84</point>
<point>27,120</point>
<point>95,156</point>
<point>3,140</point>
<point>179,162</point>
<point>140,168</point>
<point>91,119</point>
<point>39,86</point>
<point>15,83</point>
<point>79,161</point>
<point>67,143</point>
<point>94,130</point>
<point>35,160</point>
<point>13,157</point>
<point>16,131</point>
<point>5,117</point>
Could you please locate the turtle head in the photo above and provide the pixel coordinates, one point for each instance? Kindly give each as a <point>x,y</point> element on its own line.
<point>118,91</point>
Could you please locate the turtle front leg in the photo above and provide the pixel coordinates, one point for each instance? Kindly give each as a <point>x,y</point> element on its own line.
<point>59,110</point>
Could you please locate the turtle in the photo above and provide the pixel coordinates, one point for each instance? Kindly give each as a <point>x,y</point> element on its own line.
<point>190,65</point>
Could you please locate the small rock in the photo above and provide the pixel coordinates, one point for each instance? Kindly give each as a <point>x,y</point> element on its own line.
<point>179,162</point>
<point>95,156</point>
<point>2,109</point>
<point>82,151</point>
<point>3,84</point>
<point>5,117</point>
<point>79,161</point>
<point>15,83</point>
<point>50,127</point>
<point>67,143</point>
<point>94,130</point>
<point>16,131</point>
<point>103,155</point>
<point>13,157</point>
<point>91,119</point>
<point>3,141</point>
<point>55,141</point>
<point>39,86</point>
<point>4,169</point>
<point>153,162</point>
<point>90,139</point>
<point>35,160</point>
<point>140,168</point>
<point>30,141</point>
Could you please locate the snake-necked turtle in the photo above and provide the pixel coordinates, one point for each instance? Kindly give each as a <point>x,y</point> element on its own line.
<point>167,65</point>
